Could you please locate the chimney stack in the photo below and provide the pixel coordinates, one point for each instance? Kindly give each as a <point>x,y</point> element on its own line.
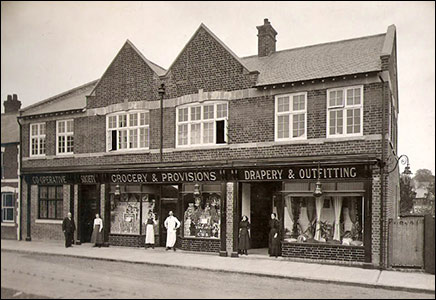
<point>12,104</point>
<point>266,39</point>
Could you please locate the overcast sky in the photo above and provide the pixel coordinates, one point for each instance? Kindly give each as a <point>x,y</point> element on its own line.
<point>50,47</point>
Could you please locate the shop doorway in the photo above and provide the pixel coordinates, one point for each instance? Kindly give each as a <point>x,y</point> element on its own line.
<point>88,207</point>
<point>258,204</point>
<point>169,202</point>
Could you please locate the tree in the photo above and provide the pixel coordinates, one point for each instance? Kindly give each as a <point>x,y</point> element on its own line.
<point>423,175</point>
<point>406,194</point>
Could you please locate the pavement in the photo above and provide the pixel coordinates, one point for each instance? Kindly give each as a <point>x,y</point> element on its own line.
<point>251,265</point>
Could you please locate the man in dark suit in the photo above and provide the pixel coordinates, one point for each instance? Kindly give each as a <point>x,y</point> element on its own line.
<point>68,228</point>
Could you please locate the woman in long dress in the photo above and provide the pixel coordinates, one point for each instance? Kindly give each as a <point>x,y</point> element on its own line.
<point>244,235</point>
<point>149,230</point>
<point>274,236</point>
<point>97,232</point>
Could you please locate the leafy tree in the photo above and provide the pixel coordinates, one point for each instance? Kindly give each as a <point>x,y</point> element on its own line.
<point>424,175</point>
<point>406,194</point>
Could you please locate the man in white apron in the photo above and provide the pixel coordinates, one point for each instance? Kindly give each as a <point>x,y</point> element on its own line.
<point>171,224</point>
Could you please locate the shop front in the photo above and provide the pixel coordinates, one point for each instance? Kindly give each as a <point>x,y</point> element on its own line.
<point>333,223</point>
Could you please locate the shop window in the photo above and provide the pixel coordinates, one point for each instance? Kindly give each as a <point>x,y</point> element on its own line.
<point>290,121</point>
<point>51,202</point>
<point>37,139</point>
<point>202,211</point>
<point>327,219</point>
<point>129,205</point>
<point>8,207</point>
<point>201,124</point>
<point>65,137</point>
<point>128,131</point>
<point>345,111</point>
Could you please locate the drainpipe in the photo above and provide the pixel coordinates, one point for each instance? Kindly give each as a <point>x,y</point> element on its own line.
<point>161,92</point>
<point>382,171</point>
<point>28,236</point>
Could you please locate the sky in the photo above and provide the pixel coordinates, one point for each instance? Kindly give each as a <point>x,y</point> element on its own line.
<point>50,47</point>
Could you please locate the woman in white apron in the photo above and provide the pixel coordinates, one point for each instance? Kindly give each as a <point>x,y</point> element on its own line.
<point>149,230</point>
<point>97,233</point>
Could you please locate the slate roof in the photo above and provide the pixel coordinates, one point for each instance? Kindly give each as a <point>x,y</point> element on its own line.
<point>339,58</point>
<point>69,100</point>
<point>10,128</point>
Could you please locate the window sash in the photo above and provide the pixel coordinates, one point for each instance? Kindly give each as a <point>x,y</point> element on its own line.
<point>37,139</point>
<point>345,118</point>
<point>8,207</point>
<point>291,116</point>
<point>195,124</point>
<point>132,131</point>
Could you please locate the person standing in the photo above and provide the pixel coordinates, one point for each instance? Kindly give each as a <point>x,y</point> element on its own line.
<point>97,233</point>
<point>68,228</point>
<point>244,235</point>
<point>149,230</point>
<point>171,224</point>
<point>274,236</point>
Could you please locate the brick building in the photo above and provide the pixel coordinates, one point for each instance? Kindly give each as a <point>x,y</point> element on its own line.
<point>217,136</point>
<point>10,140</point>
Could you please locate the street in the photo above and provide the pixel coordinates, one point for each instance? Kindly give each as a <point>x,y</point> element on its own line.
<point>68,277</point>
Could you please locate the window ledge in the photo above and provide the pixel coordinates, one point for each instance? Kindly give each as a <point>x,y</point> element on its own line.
<point>43,221</point>
<point>198,147</point>
<point>8,224</point>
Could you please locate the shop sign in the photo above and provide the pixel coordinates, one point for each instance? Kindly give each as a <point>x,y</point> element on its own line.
<point>166,177</point>
<point>297,173</point>
<point>50,179</point>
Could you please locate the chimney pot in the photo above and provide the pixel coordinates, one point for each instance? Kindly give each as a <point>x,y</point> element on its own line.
<point>266,39</point>
<point>14,97</point>
<point>9,98</point>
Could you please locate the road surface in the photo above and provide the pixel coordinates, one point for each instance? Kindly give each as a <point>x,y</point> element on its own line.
<point>68,277</point>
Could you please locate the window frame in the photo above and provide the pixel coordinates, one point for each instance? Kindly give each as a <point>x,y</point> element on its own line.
<point>202,121</point>
<point>127,128</point>
<point>4,194</point>
<point>65,134</point>
<point>3,162</point>
<point>58,215</point>
<point>39,137</point>
<point>290,113</point>
<point>344,108</point>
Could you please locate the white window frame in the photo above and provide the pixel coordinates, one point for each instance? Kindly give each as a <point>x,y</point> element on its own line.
<point>39,137</point>
<point>4,194</point>
<point>291,114</point>
<point>3,162</point>
<point>202,121</point>
<point>344,107</point>
<point>65,134</point>
<point>127,128</point>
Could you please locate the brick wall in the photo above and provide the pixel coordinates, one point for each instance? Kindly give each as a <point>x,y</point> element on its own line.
<point>10,160</point>
<point>127,78</point>
<point>323,251</point>
<point>199,245</point>
<point>127,240</point>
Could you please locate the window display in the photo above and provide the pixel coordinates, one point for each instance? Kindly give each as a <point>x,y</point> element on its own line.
<point>130,204</point>
<point>333,220</point>
<point>202,213</point>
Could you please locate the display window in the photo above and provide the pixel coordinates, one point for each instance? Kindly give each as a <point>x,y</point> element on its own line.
<point>325,219</point>
<point>202,211</point>
<point>129,205</point>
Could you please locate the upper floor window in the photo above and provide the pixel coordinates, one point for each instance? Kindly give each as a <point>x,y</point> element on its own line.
<point>65,137</point>
<point>345,111</point>
<point>128,131</point>
<point>201,124</point>
<point>37,139</point>
<point>393,125</point>
<point>8,207</point>
<point>291,116</point>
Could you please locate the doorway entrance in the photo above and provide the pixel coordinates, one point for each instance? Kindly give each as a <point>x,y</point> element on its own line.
<point>258,204</point>
<point>169,202</point>
<point>88,207</point>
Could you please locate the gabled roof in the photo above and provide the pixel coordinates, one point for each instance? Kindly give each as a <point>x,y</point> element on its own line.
<point>10,128</point>
<point>154,67</point>
<point>69,100</point>
<point>339,58</point>
<point>202,26</point>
